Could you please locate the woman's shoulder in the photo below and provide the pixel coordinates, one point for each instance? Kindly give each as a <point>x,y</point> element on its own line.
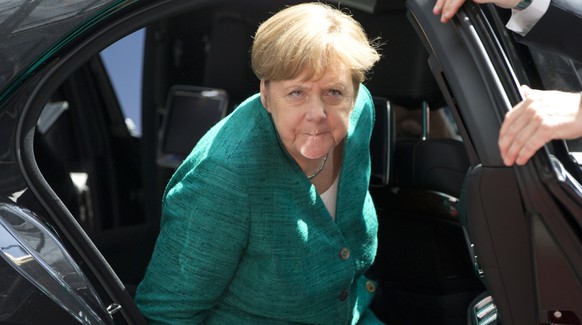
<point>364,101</point>
<point>247,126</point>
<point>241,139</point>
<point>362,118</point>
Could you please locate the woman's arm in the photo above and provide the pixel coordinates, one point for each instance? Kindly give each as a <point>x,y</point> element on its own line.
<point>203,234</point>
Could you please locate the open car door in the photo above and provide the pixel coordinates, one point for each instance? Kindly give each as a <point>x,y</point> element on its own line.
<point>523,223</point>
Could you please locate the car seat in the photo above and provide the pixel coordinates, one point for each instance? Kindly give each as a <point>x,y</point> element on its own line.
<point>227,63</point>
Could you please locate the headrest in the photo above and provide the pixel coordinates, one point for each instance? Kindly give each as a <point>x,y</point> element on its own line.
<point>227,59</point>
<point>190,112</point>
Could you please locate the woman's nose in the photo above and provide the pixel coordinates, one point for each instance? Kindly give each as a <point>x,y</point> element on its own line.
<point>315,109</point>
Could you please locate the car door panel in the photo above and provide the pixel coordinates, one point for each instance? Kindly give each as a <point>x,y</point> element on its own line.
<point>519,231</point>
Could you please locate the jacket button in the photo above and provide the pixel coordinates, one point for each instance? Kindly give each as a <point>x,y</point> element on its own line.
<point>370,286</point>
<point>344,253</point>
<point>344,295</point>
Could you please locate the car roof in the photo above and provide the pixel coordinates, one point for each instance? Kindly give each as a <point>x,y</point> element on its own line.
<point>30,30</point>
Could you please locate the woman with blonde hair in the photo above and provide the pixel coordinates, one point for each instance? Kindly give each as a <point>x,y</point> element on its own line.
<point>269,219</point>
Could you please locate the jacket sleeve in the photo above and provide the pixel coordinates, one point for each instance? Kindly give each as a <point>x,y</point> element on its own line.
<point>559,29</point>
<point>203,233</point>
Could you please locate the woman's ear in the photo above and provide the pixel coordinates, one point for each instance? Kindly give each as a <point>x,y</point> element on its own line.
<point>264,93</point>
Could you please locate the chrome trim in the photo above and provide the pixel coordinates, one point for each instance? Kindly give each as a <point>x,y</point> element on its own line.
<point>485,311</point>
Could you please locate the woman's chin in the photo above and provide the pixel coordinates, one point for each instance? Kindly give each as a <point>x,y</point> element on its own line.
<point>314,152</point>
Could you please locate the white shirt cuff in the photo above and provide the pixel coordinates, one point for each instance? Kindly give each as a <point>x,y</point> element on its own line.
<point>522,21</point>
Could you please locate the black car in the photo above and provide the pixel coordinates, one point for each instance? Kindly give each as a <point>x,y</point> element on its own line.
<point>462,239</point>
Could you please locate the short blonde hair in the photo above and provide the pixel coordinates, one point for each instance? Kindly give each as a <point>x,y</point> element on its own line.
<point>311,38</point>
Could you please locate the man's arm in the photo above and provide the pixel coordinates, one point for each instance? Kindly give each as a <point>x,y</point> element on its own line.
<point>448,8</point>
<point>559,29</point>
<point>524,19</point>
<point>542,116</point>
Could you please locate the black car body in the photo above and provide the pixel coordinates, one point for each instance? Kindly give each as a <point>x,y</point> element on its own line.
<point>462,239</point>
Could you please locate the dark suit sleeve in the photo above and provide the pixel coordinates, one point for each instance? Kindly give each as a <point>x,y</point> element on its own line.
<point>559,30</point>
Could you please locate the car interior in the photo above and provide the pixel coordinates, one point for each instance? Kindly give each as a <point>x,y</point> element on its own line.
<point>197,64</point>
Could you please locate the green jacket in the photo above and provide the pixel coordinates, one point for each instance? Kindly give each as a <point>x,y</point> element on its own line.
<point>246,239</point>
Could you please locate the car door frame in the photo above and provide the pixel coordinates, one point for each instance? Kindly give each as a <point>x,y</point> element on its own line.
<point>542,213</point>
<point>28,96</point>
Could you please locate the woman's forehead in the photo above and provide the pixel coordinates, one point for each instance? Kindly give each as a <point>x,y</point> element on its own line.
<point>341,76</point>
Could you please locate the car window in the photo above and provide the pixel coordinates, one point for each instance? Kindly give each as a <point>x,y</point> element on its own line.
<point>123,61</point>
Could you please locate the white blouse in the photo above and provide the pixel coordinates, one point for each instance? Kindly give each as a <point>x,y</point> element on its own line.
<point>329,197</point>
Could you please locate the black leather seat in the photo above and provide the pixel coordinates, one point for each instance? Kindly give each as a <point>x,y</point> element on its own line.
<point>422,258</point>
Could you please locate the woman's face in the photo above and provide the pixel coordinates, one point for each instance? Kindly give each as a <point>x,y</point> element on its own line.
<point>311,116</point>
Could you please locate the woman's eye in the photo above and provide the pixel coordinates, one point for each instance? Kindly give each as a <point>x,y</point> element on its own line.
<point>296,97</point>
<point>296,93</point>
<point>334,97</point>
<point>335,92</point>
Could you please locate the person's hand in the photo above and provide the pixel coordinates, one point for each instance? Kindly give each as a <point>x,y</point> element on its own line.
<point>448,8</point>
<point>542,116</point>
